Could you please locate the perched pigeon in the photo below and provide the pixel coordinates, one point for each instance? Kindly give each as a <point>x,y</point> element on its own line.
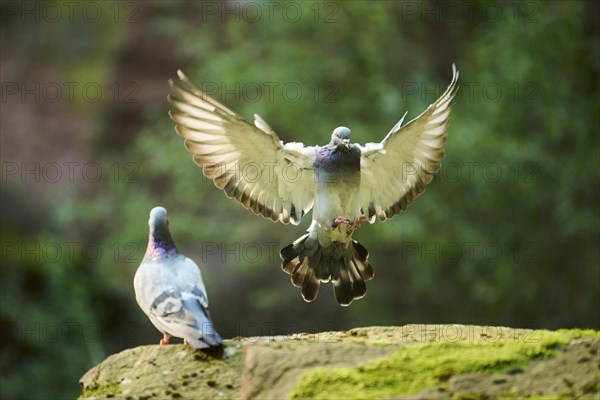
<point>169,289</point>
<point>345,184</point>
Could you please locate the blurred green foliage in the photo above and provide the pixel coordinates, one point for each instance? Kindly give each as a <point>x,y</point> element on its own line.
<point>507,234</point>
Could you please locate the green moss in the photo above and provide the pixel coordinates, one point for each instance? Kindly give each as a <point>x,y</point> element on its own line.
<point>416,367</point>
<point>381,342</point>
<point>513,396</point>
<point>108,389</point>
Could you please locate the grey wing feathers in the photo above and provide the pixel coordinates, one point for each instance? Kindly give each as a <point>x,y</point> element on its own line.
<point>168,302</point>
<point>396,171</point>
<point>184,316</point>
<point>249,163</point>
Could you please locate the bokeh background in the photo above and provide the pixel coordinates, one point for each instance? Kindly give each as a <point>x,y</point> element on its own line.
<point>507,234</point>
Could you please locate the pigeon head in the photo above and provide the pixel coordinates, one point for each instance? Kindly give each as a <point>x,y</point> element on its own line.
<point>160,241</point>
<point>340,137</point>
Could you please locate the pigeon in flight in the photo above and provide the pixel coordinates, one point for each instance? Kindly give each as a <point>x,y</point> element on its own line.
<point>345,184</point>
<point>169,289</point>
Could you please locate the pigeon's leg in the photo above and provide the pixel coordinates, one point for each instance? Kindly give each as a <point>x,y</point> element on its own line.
<point>340,220</point>
<point>185,342</point>
<point>164,340</point>
<point>357,222</point>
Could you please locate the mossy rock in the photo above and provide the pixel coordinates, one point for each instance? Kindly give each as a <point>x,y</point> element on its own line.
<point>163,372</point>
<point>408,362</point>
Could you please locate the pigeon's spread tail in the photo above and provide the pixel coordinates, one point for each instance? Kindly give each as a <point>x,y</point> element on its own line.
<point>309,264</point>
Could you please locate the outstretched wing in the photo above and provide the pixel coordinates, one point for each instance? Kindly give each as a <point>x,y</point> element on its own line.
<point>395,171</point>
<point>249,163</point>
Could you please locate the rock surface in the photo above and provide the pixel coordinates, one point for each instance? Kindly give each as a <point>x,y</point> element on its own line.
<point>407,362</point>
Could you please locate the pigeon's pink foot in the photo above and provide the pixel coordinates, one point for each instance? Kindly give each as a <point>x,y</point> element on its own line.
<point>164,340</point>
<point>357,222</point>
<point>339,221</point>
